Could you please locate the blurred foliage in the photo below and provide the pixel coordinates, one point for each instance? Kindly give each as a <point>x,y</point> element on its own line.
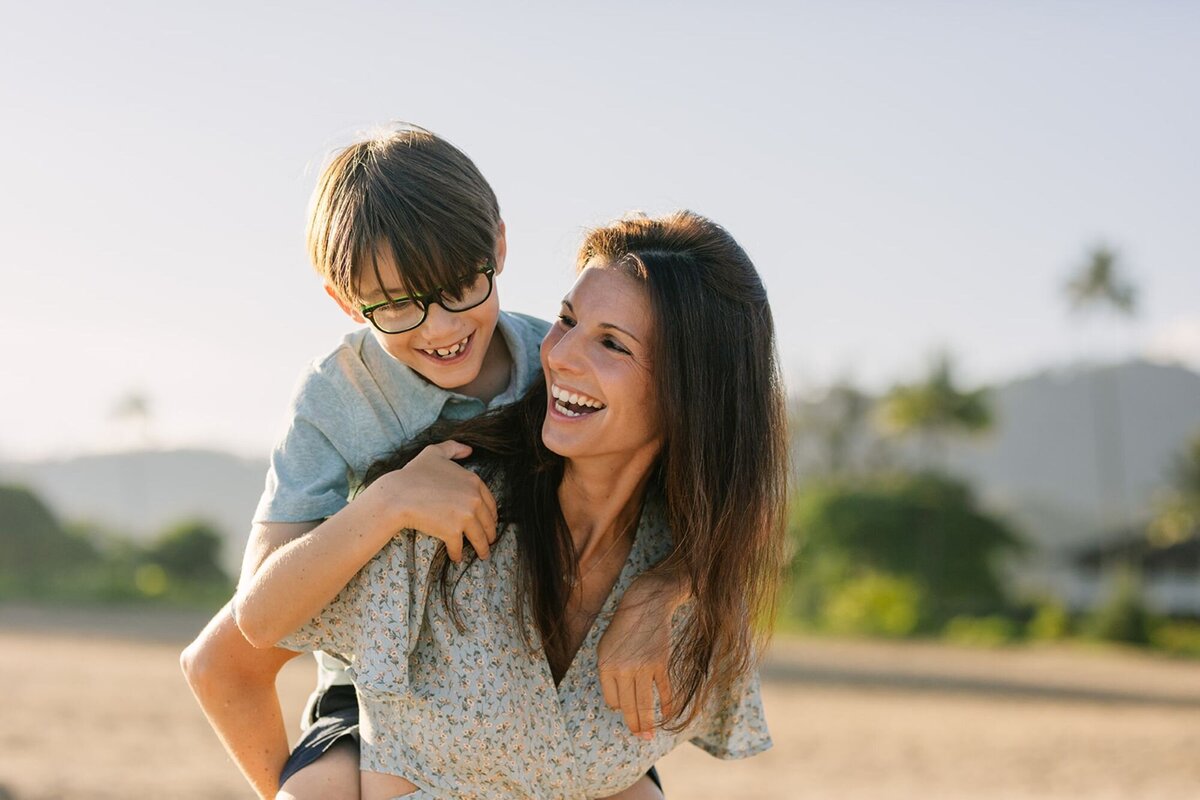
<point>925,529</point>
<point>190,550</point>
<point>1178,516</point>
<point>936,408</point>
<point>41,559</point>
<point>1050,622</point>
<point>876,605</point>
<point>1123,616</point>
<point>1099,283</point>
<point>990,631</point>
<point>1177,637</point>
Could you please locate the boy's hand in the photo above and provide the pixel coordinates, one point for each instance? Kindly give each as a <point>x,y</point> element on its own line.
<point>437,497</point>
<point>635,650</point>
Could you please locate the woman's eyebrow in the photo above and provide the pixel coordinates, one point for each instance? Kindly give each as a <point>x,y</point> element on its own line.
<point>606,325</point>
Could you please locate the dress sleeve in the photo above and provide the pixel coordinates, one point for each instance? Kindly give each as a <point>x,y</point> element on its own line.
<point>735,726</point>
<point>375,621</point>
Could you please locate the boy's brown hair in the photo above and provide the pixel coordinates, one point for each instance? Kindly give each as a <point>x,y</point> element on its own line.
<point>407,194</point>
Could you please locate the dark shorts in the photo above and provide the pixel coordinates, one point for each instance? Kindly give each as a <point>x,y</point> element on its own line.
<point>335,717</point>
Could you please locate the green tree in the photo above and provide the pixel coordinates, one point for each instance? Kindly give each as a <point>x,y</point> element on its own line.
<point>33,544</point>
<point>190,550</point>
<point>1178,516</point>
<point>935,409</point>
<point>831,434</point>
<point>926,528</point>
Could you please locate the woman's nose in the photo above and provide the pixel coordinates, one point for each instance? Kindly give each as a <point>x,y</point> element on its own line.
<point>564,354</point>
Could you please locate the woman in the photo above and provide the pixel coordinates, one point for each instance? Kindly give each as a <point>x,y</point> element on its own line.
<point>655,446</point>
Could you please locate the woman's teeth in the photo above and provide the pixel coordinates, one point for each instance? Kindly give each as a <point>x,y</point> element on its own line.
<point>447,352</point>
<point>572,404</point>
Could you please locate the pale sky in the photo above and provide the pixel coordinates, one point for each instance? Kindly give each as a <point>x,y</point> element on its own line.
<point>907,176</point>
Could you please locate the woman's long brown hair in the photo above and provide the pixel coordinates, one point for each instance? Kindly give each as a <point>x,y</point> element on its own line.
<point>722,472</point>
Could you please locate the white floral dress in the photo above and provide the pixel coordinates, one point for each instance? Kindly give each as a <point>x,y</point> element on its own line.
<point>476,714</point>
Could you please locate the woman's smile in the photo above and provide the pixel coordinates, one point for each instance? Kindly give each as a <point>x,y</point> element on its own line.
<point>602,399</point>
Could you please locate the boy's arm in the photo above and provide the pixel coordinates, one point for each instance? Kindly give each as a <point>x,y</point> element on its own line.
<point>234,683</point>
<point>283,588</point>
<point>634,652</point>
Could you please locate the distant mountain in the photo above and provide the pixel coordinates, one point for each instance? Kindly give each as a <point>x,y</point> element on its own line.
<point>139,493</point>
<point>1039,465</point>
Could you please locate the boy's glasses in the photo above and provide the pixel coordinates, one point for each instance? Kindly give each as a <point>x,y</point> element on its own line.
<point>405,313</point>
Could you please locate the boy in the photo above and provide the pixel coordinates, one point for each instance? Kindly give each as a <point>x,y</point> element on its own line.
<point>407,236</point>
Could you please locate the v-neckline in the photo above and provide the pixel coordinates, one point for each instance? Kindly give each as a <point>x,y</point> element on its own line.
<point>610,602</point>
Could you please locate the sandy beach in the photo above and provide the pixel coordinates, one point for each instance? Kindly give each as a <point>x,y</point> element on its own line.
<point>100,710</point>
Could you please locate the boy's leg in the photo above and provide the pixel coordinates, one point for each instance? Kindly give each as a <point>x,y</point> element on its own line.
<point>234,683</point>
<point>645,789</point>
<point>333,776</point>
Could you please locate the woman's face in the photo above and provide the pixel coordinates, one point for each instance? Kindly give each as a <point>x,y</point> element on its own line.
<point>596,358</point>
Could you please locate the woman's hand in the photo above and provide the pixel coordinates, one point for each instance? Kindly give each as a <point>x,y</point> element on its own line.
<point>434,495</point>
<point>635,651</point>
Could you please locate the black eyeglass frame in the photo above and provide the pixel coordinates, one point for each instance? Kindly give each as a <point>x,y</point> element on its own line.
<point>424,301</point>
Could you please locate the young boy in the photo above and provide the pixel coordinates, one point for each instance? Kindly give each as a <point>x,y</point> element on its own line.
<point>407,235</point>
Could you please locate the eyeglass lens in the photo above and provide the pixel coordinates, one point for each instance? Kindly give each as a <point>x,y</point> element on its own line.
<point>405,314</point>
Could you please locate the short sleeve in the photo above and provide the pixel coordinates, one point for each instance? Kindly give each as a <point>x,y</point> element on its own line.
<point>735,725</point>
<point>375,621</point>
<point>309,476</point>
<point>337,628</point>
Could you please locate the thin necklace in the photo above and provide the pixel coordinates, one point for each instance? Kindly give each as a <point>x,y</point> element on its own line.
<point>579,580</point>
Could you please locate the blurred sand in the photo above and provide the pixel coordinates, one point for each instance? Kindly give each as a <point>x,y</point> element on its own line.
<point>97,708</point>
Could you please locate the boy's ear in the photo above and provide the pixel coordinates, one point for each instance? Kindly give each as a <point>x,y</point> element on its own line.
<point>501,248</point>
<point>351,312</point>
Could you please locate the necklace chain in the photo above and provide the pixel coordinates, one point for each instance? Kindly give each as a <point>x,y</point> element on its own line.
<point>617,540</point>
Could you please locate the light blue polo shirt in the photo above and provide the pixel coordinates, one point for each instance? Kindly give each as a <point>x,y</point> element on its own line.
<point>358,404</point>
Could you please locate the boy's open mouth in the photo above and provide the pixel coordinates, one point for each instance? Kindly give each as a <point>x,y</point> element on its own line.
<point>573,404</point>
<point>448,353</point>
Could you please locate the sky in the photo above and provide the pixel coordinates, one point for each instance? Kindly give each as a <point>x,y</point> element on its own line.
<point>908,178</point>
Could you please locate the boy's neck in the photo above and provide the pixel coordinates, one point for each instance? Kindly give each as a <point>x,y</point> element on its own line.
<point>495,373</point>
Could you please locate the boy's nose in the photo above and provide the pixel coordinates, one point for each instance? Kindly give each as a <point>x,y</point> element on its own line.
<point>438,321</point>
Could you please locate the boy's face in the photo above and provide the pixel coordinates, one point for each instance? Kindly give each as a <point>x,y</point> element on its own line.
<point>471,330</point>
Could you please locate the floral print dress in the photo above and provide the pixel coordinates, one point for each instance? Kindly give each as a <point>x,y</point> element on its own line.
<point>476,714</point>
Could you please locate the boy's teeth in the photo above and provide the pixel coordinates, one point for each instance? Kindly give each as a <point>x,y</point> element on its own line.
<point>445,352</point>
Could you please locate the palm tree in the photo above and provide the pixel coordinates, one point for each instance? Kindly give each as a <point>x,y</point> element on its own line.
<point>133,409</point>
<point>1100,285</point>
<point>1178,517</point>
<point>935,409</point>
<point>828,430</point>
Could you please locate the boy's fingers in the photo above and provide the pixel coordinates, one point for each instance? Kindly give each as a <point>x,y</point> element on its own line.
<point>478,538</point>
<point>489,500</point>
<point>452,449</point>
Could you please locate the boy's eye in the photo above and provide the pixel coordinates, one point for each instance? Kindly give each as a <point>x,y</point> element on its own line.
<point>566,321</point>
